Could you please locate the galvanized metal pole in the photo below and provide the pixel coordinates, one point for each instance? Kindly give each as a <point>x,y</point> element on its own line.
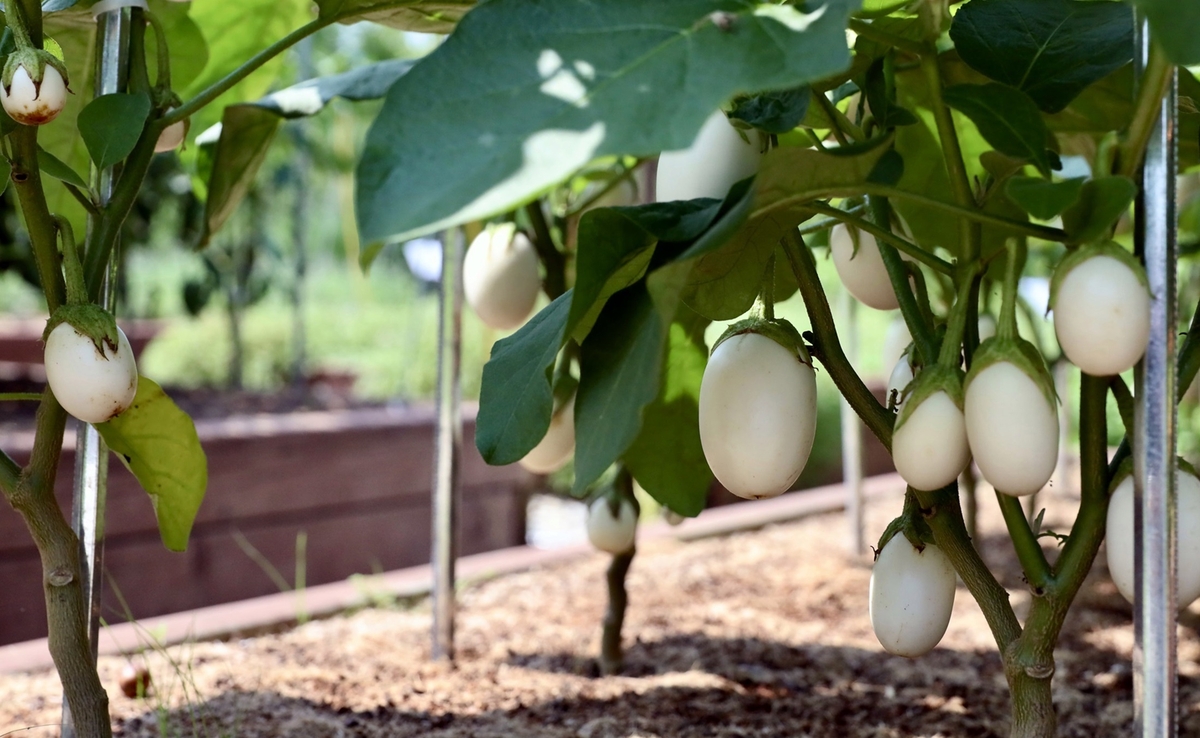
<point>1154,656</point>
<point>90,493</point>
<point>852,461</point>
<point>449,445</point>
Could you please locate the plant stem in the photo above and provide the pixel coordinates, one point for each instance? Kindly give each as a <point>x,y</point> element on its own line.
<point>1029,662</point>
<point>950,356</point>
<point>216,89</point>
<point>921,332</point>
<point>1029,551</point>
<point>960,183</point>
<point>1151,89</point>
<point>1124,399</point>
<point>1189,356</point>
<point>555,282</point>
<point>163,80</point>
<point>1007,325</point>
<point>826,346</point>
<point>944,515</point>
<point>1018,227</point>
<point>72,269</point>
<point>883,234</point>
<point>835,117</point>
<point>66,610</point>
<point>43,231</point>
<point>612,655</point>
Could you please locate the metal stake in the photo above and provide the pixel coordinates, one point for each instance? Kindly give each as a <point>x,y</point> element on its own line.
<point>1154,620</point>
<point>90,492</point>
<point>449,445</point>
<point>852,461</point>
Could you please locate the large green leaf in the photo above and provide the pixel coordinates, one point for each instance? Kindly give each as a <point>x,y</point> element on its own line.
<point>158,442</point>
<point>526,92</point>
<point>111,126</point>
<point>407,15</point>
<point>1050,49</point>
<point>1175,24</point>
<point>246,134</point>
<point>516,399</point>
<point>1008,119</point>
<point>667,458</point>
<point>619,374</point>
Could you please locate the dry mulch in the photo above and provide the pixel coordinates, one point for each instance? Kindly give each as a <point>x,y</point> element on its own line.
<point>758,634</point>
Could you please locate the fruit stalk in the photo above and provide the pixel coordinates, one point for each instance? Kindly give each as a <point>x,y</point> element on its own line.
<point>828,348</point>
<point>552,259</point>
<point>960,183</point>
<point>612,655</point>
<point>921,331</point>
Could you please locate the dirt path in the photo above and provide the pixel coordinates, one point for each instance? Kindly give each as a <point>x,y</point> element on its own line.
<point>759,634</point>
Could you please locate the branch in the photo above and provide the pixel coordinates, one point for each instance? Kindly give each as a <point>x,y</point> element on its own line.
<point>1124,400</point>
<point>555,282</point>
<point>221,86</point>
<point>910,309</point>
<point>827,348</point>
<point>931,260</point>
<point>960,183</point>
<point>944,516</point>
<point>58,547</point>
<point>43,231</point>
<point>1029,551</point>
<point>1018,227</point>
<point>1151,88</point>
<point>612,655</point>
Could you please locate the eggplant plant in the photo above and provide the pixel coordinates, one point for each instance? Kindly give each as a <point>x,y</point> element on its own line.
<point>941,142</point>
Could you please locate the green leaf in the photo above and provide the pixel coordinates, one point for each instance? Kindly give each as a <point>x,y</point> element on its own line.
<point>1049,49</point>
<point>1175,25</point>
<point>246,134</point>
<point>311,96</point>
<point>516,399</point>
<point>774,112</point>
<point>185,42</point>
<point>667,458</point>
<point>111,126</point>
<point>407,15</point>
<point>1102,201</point>
<point>1041,198</point>
<point>507,107</point>
<point>1007,119</point>
<point>234,32</point>
<point>619,373</point>
<point>55,167</point>
<point>158,443</point>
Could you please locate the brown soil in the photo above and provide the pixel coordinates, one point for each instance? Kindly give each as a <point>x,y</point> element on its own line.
<point>759,634</point>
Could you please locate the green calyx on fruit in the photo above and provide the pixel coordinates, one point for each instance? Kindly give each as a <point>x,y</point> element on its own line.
<point>35,86</point>
<point>89,320</point>
<point>911,522</point>
<point>1021,354</point>
<point>1078,256</point>
<point>780,331</point>
<point>1101,303</point>
<point>34,61</point>
<point>929,382</point>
